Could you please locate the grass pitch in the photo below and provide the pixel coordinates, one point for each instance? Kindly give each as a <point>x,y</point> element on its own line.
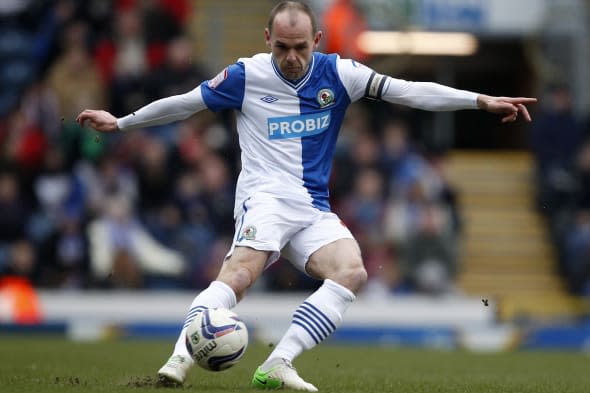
<point>33,364</point>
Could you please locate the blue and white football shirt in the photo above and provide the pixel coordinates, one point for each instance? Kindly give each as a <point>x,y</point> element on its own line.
<point>287,130</point>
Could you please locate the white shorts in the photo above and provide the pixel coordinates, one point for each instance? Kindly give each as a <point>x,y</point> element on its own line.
<point>289,227</point>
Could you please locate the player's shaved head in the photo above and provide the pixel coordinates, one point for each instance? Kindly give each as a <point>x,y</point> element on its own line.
<point>294,8</point>
<point>292,35</point>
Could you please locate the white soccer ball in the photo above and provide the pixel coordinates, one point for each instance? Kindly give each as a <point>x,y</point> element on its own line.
<point>216,339</point>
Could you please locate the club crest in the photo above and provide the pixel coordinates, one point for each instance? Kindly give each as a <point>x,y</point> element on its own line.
<point>325,97</point>
<point>249,233</point>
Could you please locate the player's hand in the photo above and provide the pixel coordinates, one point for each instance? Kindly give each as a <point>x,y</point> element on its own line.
<point>100,120</point>
<point>508,106</point>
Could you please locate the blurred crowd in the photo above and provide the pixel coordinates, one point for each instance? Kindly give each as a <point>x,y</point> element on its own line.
<point>561,146</point>
<point>154,208</point>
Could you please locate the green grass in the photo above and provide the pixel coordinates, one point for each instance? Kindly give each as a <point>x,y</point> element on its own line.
<point>48,365</point>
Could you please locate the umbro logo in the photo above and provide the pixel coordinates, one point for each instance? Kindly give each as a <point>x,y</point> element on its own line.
<point>269,99</point>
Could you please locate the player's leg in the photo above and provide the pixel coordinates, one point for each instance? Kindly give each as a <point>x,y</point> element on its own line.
<point>262,229</point>
<point>237,274</point>
<point>340,265</point>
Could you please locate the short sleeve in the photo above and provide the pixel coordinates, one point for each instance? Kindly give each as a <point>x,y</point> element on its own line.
<point>226,90</point>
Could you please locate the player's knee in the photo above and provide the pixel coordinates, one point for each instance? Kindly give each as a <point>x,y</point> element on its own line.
<point>358,278</point>
<point>353,276</point>
<point>243,280</point>
<point>242,269</point>
<point>239,278</point>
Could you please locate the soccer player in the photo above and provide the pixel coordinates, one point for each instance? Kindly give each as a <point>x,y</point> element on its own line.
<point>290,104</point>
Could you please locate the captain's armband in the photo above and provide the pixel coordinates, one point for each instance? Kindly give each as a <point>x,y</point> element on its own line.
<point>374,90</point>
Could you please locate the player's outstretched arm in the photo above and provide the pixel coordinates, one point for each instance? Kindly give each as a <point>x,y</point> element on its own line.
<point>508,106</point>
<point>100,120</point>
<point>163,111</point>
<point>436,97</point>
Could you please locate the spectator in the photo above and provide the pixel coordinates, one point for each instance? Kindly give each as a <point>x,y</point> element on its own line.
<point>197,236</point>
<point>402,215</point>
<point>555,137</point>
<point>123,61</point>
<point>363,210</point>
<point>24,144</point>
<point>577,253</point>
<point>572,230</point>
<point>163,20</point>
<point>122,253</point>
<point>179,73</point>
<point>17,278</point>
<point>581,195</point>
<point>359,152</point>
<point>21,261</point>
<point>344,23</point>
<point>15,209</point>
<point>217,194</point>
<point>39,106</point>
<point>400,160</point>
<point>109,178</point>
<point>74,78</point>
<point>65,255</point>
<point>155,176</point>
<point>420,229</point>
<point>429,255</point>
<point>56,226</point>
<point>56,190</point>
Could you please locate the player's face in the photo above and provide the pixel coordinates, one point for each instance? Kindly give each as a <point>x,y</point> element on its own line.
<point>292,43</point>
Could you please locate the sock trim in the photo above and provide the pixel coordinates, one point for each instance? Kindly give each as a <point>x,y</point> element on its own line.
<point>304,327</point>
<point>341,290</point>
<point>303,316</point>
<point>319,313</point>
<point>313,321</point>
<point>227,289</point>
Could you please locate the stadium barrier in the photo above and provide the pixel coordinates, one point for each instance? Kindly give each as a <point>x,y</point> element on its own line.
<point>444,323</point>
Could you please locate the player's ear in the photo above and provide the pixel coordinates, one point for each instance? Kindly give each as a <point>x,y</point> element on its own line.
<point>267,36</point>
<point>317,39</point>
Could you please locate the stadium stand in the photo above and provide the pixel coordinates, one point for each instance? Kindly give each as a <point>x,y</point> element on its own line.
<point>507,252</point>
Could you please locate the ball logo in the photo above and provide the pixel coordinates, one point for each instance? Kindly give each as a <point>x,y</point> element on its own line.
<point>205,351</point>
<point>325,97</point>
<point>195,338</point>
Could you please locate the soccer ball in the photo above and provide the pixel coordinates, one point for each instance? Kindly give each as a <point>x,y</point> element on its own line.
<point>216,339</point>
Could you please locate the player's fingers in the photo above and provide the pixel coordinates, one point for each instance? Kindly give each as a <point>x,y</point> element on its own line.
<point>85,115</point>
<point>86,120</point>
<point>85,112</point>
<point>507,107</point>
<point>81,119</point>
<point>519,100</point>
<point>510,118</point>
<point>525,112</point>
<point>527,100</point>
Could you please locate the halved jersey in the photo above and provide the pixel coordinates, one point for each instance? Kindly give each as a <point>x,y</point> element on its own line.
<point>288,129</point>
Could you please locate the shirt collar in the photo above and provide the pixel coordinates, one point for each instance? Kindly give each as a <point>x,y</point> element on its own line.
<point>296,84</point>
